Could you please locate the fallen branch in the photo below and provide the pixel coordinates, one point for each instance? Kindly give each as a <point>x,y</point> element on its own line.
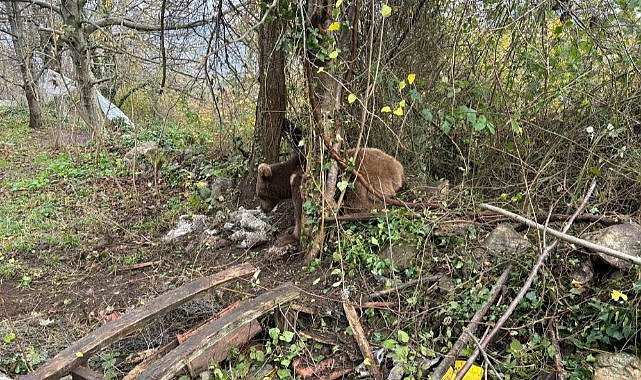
<point>528,282</point>
<point>565,237</point>
<point>470,329</point>
<point>585,218</point>
<point>363,344</point>
<point>558,359</point>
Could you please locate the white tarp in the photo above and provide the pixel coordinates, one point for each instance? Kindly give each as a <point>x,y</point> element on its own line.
<point>56,84</point>
<point>111,110</point>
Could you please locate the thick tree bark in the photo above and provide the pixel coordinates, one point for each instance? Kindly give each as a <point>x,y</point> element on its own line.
<point>272,95</point>
<point>18,36</point>
<point>73,14</point>
<point>271,102</point>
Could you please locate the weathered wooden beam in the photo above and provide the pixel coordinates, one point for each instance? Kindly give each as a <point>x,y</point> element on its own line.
<point>217,330</point>
<point>79,351</point>
<point>85,373</point>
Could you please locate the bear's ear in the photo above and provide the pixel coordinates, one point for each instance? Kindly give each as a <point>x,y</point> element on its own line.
<point>264,171</point>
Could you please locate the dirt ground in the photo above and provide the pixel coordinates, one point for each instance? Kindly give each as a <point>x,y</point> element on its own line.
<point>72,291</point>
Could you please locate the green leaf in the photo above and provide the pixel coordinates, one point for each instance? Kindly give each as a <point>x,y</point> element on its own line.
<point>287,336</point>
<point>427,115</point>
<point>274,332</point>
<point>515,347</point>
<point>389,344</point>
<point>333,54</point>
<point>386,11</point>
<point>403,336</point>
<point>516,127</point>
<point>9,337</point>
<point>342,185</point>
<point>401,85</point>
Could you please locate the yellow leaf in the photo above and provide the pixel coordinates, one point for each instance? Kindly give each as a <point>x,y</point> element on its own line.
<point>351,98</point>
<point>321,69</point>
<point>339,3</point>
<point>401,103</point>
<point>475,372</point>
<point>410,78</point>
<point>367,361</point>
<point>386,109</point>
<point>617,295</point>
<point>386,11</point>
<point>79,354</point>
<point>333,54</point>
<point>221,198</point>
<point>401,85</point>
<point>334,26</point>
<point>398,111</point>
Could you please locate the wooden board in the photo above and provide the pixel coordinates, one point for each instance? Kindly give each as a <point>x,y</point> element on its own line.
<point>193,347</point>
<point>79,352</point>
<point>84,373</point>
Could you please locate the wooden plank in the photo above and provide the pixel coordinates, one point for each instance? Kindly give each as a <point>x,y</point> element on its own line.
<point>216,331</point>
<point>84,373</point>
<point>78,352</point>
<point>140,368</point>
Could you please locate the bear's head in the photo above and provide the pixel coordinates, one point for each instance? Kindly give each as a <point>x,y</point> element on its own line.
<point>264,189</point>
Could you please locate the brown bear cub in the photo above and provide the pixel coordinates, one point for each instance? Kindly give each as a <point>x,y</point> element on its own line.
<point>282,181</point>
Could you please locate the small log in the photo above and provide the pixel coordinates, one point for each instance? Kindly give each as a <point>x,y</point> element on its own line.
<point>110,332</point>
<point>363,344</point>
<point>217,330</point>
<point>85,373</point>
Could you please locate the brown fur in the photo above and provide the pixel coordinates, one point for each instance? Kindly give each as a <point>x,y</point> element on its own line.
<point>281,181</point>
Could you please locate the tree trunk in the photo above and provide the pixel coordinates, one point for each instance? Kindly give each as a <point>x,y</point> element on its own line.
<point>18,36</point>
<point>271,102</point>
<point>73,15</point>
<point>272,95</point>
<point>324,98</point>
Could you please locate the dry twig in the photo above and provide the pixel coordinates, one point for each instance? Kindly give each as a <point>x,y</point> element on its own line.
<point>449,358</point>
<point>363,344</point>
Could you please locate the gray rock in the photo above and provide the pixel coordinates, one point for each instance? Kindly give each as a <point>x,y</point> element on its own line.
<point>619,366</point>
<point>401,255</point>
<point>147,148</point>
<point>621,237</point>
<point>505,239</point>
